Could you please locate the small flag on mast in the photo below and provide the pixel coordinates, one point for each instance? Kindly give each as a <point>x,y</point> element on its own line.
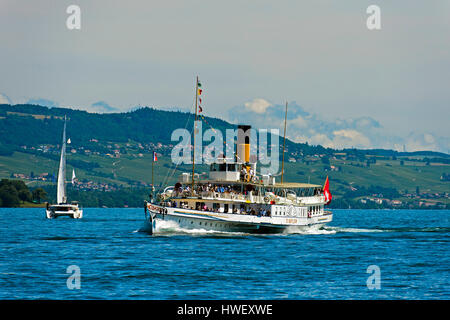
<point>155,158</point>
<point>199,85</point>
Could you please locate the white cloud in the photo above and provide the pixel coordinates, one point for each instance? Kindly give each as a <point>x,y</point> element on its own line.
<point>320,139</point>
<point>428,138</point>
<point>4,99</point>
<point>350,138</point>
<point>426,141</point>
<point>258,105</point>
<point>361,132</point>
<point>298,122</point>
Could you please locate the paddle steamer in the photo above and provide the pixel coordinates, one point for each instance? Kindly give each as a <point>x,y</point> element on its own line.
<point>233,197</point>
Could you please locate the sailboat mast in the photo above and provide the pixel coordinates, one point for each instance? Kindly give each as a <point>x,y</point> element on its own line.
<point>284,143</point>
<point>195,124</point>
<point>61,188</point>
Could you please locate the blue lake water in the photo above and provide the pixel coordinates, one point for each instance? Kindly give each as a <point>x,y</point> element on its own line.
<point>410,248</point>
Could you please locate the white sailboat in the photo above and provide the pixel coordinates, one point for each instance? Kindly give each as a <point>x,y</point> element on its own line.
<point>63,208</point>
<point>73,177</point>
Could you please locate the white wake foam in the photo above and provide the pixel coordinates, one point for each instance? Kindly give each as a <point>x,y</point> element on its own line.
<point>164,227</point>
<point>308,230</point>
<point>351,230</point>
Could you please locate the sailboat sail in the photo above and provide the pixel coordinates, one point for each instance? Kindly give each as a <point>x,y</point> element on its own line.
<point>73,176</point>
<point>61,193</point>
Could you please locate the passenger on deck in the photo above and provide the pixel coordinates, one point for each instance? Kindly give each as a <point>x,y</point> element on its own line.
<point>243,173</point>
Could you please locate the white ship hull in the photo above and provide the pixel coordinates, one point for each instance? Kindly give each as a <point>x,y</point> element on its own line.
<point>233,222</point>
<point>64,210</point>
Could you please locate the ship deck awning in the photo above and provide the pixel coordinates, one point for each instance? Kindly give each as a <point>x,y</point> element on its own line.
<point>294,185</point>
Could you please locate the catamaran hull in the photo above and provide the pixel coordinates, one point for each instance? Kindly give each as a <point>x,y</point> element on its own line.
<point>78,214</point>
<point>233,222</point>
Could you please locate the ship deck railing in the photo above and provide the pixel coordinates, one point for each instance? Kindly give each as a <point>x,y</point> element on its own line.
<point>238,197</point>
<point>259,213</point>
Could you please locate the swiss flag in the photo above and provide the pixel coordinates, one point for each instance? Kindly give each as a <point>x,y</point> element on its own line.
<point>326,191</point>
<point>155,158</point>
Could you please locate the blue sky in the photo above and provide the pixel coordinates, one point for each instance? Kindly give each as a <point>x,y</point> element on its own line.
<point>346,85</point>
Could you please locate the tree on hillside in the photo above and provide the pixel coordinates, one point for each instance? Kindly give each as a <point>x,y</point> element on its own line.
<point>326,160</point>
<point>39,194</point>
<point>19,185</point>
<point>25,195</point>
<point>9,195</point>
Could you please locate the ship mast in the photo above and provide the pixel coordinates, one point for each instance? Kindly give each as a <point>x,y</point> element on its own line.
<point>195,124</point>
<point>284,143</point>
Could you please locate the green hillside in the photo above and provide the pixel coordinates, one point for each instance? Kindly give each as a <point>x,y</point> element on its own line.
<point>113,152</point>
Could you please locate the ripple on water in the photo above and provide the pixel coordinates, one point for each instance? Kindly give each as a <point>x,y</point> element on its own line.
<point>118,262</point>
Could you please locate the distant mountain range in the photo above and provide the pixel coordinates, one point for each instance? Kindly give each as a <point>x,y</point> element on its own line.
<point>31,125</point>
<point>112,152</point>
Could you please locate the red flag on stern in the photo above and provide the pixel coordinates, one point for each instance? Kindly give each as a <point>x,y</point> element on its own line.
<point>326,191</point>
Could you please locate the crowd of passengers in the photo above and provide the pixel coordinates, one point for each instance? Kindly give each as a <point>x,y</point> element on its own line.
<point>207,189</point>
<point>261,212</point>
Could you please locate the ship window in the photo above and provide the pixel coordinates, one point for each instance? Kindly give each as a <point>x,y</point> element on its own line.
<point>231,167</point>
<point>222,167</point>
